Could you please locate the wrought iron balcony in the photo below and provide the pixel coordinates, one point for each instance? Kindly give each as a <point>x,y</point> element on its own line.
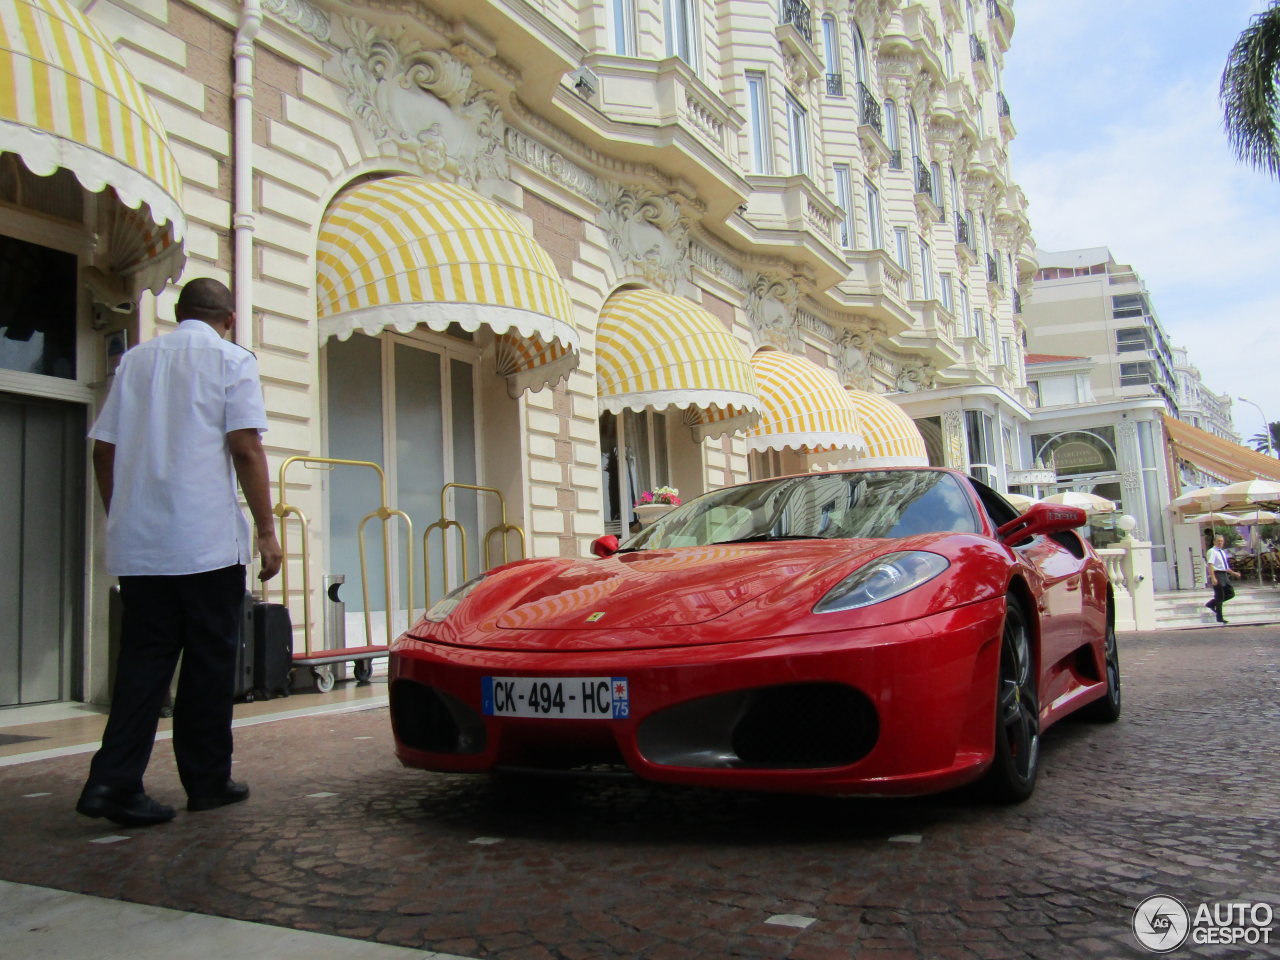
<point>1017,302</point>
<point>895,159</point>
<point>993,269</point>
<point>835,84</point>
<point>924,179</point>
<point>1002,104</point>
<point>870,109</point>
<point>799,16</point>
<point>962,228</point>
<point>977,50</point>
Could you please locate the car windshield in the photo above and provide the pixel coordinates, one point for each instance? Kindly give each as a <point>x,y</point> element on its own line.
<point>827,506</point>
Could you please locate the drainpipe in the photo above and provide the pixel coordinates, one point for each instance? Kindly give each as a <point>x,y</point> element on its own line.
<point>242,167</point>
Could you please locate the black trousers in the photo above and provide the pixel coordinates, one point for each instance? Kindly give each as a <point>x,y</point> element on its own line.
<point>198,616</point>
<point>1219,598</point>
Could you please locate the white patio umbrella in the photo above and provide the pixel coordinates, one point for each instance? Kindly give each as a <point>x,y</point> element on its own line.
<point>1254,518</point>
<point>1201,498</point>
<point>1021,501</point>
<point>1248,491</point>
<point>1088,502</point>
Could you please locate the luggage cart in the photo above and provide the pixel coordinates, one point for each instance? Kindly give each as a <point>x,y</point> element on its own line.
<point>361,658</point>
<point>501,529</point>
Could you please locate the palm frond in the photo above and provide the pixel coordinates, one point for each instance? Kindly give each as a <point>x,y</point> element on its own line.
<point>1250,95</point>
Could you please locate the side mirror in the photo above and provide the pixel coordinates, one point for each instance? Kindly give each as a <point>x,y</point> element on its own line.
<point>605,546</point>
<point>1041,518</point>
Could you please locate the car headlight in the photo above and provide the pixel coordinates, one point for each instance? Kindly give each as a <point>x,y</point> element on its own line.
<point>451,601</point>
<point>882,579</point>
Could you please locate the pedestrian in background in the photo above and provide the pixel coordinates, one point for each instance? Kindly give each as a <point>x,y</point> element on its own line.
<point>182,424</point>
<point>1218,567</point>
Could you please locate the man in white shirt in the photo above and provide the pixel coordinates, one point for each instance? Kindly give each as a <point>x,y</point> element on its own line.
<point>182,424</point>
<point>1218,569</point>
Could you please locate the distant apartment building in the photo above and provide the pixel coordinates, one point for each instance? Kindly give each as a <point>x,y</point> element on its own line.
<point>1087,304</point>
<point>1197,404</point>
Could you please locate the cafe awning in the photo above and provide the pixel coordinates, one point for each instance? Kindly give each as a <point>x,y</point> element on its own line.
<point>805,407</point>
<point>402,251</point>
<point>655,350</point>
<point>891,436</point>
<point>1215,456</point>
<point>69,102</point>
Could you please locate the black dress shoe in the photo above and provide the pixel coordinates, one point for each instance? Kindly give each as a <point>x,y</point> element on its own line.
<point>122,807</point>
<point>1220,620</point>
<point>232,793</point>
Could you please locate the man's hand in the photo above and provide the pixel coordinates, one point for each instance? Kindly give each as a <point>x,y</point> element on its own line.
<point>269,553</point>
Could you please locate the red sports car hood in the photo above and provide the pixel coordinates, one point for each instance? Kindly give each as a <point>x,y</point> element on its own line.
<point>670,588</point>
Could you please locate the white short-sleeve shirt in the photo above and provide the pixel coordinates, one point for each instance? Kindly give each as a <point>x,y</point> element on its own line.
<point>1219,559</point>
<point>174,508</point>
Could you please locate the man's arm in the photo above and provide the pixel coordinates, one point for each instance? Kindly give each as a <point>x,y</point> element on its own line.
<point>104,470</point>
<point>250,461</point>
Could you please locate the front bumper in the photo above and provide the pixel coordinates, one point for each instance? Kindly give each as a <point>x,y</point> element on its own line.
<point>898,709</point>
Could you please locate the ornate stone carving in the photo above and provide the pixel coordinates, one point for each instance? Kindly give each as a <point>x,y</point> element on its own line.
<point>553,165</point>
<point>851,351</point>
<point>953,438</point>
<point>771,304</point>
<point>716,265</point>
<point>304,16</point>
<point>648,238</point>
<point>424,103</point>
<point>913,377</point>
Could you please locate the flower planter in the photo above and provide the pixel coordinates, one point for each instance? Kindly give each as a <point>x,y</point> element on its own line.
<point>647,513</point>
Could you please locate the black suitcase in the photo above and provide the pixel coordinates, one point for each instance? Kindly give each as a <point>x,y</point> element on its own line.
<point>244,652</point>
<point>272,649</point>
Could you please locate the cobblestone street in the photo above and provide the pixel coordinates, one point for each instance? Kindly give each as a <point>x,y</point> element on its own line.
<point>1182,797</point>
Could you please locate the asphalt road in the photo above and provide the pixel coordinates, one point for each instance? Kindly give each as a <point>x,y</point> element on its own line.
<point>1180,798</point>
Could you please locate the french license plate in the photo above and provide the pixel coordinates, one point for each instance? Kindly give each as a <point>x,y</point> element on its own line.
<point>565,698</point>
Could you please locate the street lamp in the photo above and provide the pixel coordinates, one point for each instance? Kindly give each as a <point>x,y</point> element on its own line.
<point>1266,424</point>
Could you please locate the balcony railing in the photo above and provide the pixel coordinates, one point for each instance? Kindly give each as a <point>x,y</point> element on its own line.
<point>994,11</point>
<point>1017,302</point>
<point>962,228</point>
<point>977,50</point>
<point>1002,104</point>
<point>799,16</point>
<point>870,109</point>
<point>993,269</point>
<point>924,179</point>
<point>895,158</point>
<point>835,84</point>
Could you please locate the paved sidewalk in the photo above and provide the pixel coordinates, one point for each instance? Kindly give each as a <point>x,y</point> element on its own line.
<point>1180,798</point>
<point>52,924</point>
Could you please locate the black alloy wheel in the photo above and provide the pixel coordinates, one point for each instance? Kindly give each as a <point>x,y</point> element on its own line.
<point>1012,777</point>
<point>1107,710</point>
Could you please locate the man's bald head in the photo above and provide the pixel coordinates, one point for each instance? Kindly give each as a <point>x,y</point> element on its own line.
<point>208,300</point>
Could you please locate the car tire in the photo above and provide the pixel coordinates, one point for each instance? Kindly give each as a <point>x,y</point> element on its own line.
<point>1107,710</point>
<point>1016,760</point>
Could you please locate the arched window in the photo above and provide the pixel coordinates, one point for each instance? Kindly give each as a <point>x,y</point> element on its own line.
<point>831,54</point>
<point>913,131</point>
<point>891,137</point>
<point>955,193</point>
<point>860,56</point>
<point>935,186</point>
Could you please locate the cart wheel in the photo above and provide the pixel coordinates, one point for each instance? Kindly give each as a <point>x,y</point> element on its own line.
<point>324,678</point>
<point>363,670</point>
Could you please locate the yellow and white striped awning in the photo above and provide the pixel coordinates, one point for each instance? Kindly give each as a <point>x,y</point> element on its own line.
<point>805,406</point>
<point>67,101</point>
<point>401,251</point>
<point>655,350</point>
<point>891,436</point>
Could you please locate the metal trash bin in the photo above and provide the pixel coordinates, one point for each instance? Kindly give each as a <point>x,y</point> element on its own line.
<point>335,620</point>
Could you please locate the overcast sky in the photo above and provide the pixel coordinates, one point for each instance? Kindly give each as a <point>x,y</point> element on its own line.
<point>1120,144</point>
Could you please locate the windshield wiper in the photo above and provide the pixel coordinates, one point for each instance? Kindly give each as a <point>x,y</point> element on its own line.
<point>762,537</point>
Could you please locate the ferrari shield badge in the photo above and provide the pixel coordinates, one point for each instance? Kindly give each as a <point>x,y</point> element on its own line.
<point>598,615</point>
